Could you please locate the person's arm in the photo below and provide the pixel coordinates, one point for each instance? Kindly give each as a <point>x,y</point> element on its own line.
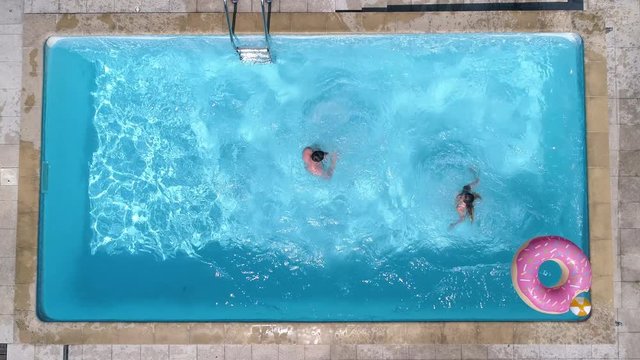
<point>477,178</point>
<point>461,219</point>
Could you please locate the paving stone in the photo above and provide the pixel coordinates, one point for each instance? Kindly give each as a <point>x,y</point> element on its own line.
<point>8,193</point>
<point>209,6</point>
<point>48,352</point>
<point>100,6</point>
<point>629,241</point>
<point>20,352</point>
<point>125,352</point>
<point>275,6</point>
<point>293,6</point>
<point>7,270</point>
<point>343,352</point>
<point>73,6</point>
<point>604,351</point>
<point>422,352</point>
<point>627,70</point>
<point>8,215</point>
<point>9,177</point>
<point>237,352</point>
<point>127,6</point>
<point>9,156</point>
<point>42,6</point>
<point>630,295</point>
<point>11,11</point>
<point>293,352</point>
<point>321,6</point>
<point>629,215</point>
<point>7,243</point>
<point>629,137</point>
<point>183,5</point>
<point>183,352</point>
<point>154,352</point>
<point>6,330</point>
<point>9,102</point>
<point>96,352</point>
<point>154,5</point>
<point>264,352</point>
<point>501,351</point>
<point>448,352</point>
<point>629,187</point>
<point>578,351</point>
<point>553,351</point>
<point>526,351</point>
<point>475,352</point>
<point>629,319</point>
<point>75,352</point>
<point>629,344</point>
<point>348,5</point>
<point>210,352</point>
<point>629,111</point>
<point>317,352</point>
<point>630,267</point>
<point>7,293</point>
<point>10,75</point>
<point>9,130</point>
<point>374,352</point>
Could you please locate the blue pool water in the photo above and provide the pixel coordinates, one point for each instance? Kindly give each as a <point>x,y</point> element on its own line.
<point>173,186</point>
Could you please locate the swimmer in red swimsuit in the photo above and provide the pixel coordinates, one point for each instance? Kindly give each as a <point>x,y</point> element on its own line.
<point>313,160</point>
<point>465,199</point>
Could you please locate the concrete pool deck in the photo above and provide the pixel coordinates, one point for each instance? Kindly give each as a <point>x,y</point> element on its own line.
<point>596,338</point>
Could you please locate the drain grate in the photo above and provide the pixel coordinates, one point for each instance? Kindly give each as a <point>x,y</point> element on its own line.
<point>3,351</point>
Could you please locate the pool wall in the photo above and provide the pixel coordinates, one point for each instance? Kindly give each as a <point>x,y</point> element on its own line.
<point>598,329</point>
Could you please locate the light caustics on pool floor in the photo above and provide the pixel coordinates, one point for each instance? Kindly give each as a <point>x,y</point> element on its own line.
<point>193,157</point>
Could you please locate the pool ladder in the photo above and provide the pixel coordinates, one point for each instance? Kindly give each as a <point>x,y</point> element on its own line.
<point>252,54</point>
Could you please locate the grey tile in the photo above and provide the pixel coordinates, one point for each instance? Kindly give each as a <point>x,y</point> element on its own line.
<point>125,352</point>
<point>128,6</point>
<point>630,267</point>
<point>9,156</point>
<point>6,299</point>
<point>20,352</point>
<point>343,352</point>
<point>7,243</point>
<point>9,130</point>
<point>630,241</point>
<point>275,6</point>
<point>183,352</point>
<point>96,352</point>
<point>209,6</point>
<point>244,6</point>
<point>293,6</point>
<point>73,6</point>
<point>154,5</point>
<point>11,29</point>
<point>6,334</point>
<point>8,176</point>
<point>629,188</point>
<point>629,163</point>
<point>374,352</point>
<point>501,351</point>
<point>553,351</point>
<point>9,101</point>
<point>614,137</point>
<point>475,352</point>
<point>629,344</point>
<point>629,137</point>
<point>75,352</point>
<point>317,352</point>
<point>7,271</point>
<point>11,75</point>
<point>629,111</point>
<point>627,70</point>
<point>42,6</point>
<point>617,294</point>
<point>321,6</point>
<point>526,351</point>
<point>628,35</point>
<point>237,352</point>
<point>629,215</point>
<point>8,193</point>
<point>448,352</point>
<point>293,352</point>
<point>11,11</point>
<point>604,351</point>
<point>578,351</point>
<point>154,352</point>
<point>630,295</point>
<point>183,5</point>
<point>210,352</point>
<point>348,5</point>
<point>264,352</point>
<point>422,352</point>
<point>100,6</point>
<point>8,214</point>
<point>48,352</point>
<point>629,319</point>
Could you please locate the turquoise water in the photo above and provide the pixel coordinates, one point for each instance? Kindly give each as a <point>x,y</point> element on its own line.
<point>176,191</point>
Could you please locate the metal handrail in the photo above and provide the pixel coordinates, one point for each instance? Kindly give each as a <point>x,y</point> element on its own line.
<point>232,33</point>
<point>266,22</point>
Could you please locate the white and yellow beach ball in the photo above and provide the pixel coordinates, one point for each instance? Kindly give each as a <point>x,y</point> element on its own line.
<point>580,306</point>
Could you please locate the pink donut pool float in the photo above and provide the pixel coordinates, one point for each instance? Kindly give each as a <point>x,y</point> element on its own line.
<point>575,278</point>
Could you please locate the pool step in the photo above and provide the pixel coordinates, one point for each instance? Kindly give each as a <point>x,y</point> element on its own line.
<point>255,55</point>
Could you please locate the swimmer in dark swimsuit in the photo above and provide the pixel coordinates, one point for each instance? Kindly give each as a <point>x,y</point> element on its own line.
<point>313,160</point>
<point>465,199</point>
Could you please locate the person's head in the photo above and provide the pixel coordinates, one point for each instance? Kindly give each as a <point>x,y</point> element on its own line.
<point>468,198</point>
<point>466,188</point>
<point>318,155</point>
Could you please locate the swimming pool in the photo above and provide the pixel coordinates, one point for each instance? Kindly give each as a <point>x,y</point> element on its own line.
<point>173,187</point>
